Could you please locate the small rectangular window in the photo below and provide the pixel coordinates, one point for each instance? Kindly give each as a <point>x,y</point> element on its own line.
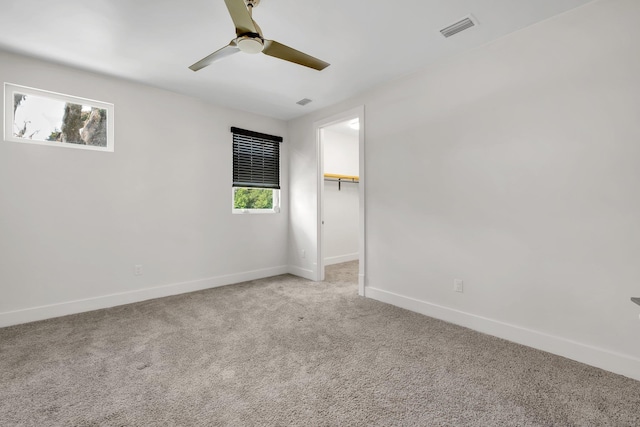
<point>256,172</point>
<point>47,118</point>
<point>255,200</point>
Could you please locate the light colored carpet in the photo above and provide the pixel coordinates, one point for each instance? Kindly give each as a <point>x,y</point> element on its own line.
<point>286,351</point>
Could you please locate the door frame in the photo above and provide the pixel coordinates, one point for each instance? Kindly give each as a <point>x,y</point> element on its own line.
<point>354,113</point>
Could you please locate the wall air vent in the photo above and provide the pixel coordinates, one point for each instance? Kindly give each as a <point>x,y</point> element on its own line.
<point>303,102</point>
<point>459,26</point>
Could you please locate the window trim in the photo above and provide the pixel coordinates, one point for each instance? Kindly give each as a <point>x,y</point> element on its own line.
<point>9,115</point>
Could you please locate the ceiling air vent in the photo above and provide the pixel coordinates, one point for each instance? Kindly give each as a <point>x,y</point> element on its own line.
<point>303,102</point>
<point>459,26</point>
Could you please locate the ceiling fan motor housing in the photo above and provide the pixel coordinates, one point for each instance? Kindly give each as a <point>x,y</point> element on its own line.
<point>250,43</point>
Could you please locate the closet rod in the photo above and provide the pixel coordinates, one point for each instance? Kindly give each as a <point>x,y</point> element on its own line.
<point>341,178</point>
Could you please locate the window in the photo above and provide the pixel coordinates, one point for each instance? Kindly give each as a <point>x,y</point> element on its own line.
<point>256,172</point>
<point>47,118</point>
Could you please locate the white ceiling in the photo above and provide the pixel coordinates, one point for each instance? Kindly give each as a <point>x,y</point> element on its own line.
<point>366,42</point>
<point>344,128</point>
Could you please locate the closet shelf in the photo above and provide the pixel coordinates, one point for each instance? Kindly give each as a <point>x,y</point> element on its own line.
<point>336,177</point>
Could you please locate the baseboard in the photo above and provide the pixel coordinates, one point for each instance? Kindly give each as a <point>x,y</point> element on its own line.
<point>340,259</point>
<point>79,306</point>
<point>302,272</point>
<point>610,361</point>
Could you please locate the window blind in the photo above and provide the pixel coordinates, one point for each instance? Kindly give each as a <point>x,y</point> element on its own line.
<point>256,159</point>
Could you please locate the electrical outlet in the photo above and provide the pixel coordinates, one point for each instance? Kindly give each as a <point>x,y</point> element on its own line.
<point>304,253</point>
<point>458,285</point>
<point>137,270</point>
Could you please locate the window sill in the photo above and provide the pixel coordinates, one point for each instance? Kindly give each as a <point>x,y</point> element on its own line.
<point>255,211</point>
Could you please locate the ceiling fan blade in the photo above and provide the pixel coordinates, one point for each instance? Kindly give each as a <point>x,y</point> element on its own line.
<point>278,50</point>
<point>241,17</point>
<point>228,50</point>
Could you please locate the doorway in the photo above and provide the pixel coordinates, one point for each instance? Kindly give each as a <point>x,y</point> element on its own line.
<point>341,207</point>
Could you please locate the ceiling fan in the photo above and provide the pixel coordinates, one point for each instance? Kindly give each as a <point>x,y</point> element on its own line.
<point>249,39</point>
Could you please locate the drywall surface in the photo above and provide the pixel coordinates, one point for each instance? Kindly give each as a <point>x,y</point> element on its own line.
<point>341,206</point>
<point>513,167</point>
<point>340,152</point>
<point>73,223</point>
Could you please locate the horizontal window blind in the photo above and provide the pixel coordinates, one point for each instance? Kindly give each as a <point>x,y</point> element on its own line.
<point>256,159</point>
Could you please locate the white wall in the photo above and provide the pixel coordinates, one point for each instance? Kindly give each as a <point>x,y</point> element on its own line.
<point>340,152</point>
<point>73,223</point>
<point>515,168</point>
<point>341,207</point>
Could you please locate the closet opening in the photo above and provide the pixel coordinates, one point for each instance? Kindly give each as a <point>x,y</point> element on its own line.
<point>341,193</point>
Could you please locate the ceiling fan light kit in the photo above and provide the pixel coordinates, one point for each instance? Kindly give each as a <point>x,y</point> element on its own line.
<point>249,44</point>
<point>249,39</point>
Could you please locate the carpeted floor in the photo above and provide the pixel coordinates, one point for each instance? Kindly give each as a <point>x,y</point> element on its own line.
<point>286,351</point>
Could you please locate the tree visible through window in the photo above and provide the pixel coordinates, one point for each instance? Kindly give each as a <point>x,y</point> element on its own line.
<point>49,118</point>
<point>253,198</point>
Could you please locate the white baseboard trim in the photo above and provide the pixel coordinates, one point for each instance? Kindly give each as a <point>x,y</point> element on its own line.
<point>610,361</point>
<point>340,259</point>
<point>78,306</point>
<point>302,272</point>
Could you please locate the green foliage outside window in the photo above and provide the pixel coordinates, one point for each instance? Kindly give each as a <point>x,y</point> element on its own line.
<point>253,198</point>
